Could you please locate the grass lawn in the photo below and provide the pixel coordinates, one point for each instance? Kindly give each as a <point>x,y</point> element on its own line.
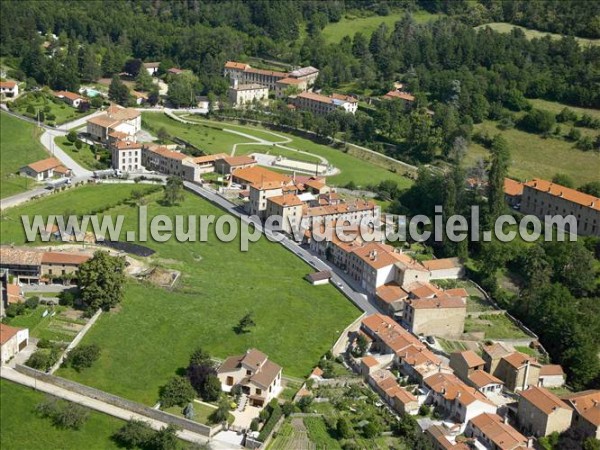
<point>275,151</point>
<point>56,328</point>
<point>451,346</point>
<point>152,333</point>
<point>351,24</point>
<point>556,107</point>
<point>22,428</point>
<point>202,413</point>
<point>19,146</point>
<point>85,156</point>
<point>319,435</point>
<point>503,27</point>
<point>62,112</point>
<point>80,200</point>
<point>495,326</point>
<point>532,156</point>
<point>216,141</point>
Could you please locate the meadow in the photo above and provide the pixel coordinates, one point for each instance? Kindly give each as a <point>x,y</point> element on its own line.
<point>206,136</point>
<point>85,157</point>
<point>503,27</point>
<point>150,336</point>
<point>351,24</point>
<point>22,428</point>
<point>19,146</point>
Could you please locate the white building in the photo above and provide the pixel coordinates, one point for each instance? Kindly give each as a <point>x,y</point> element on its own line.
<point>258,377</point>
<point>126,156</point>
<point>320,104</point>
<point>12,341</point>
<point>116,118</point>
<point>9,89</point>
<point>151,67</point>
<point>245,94</point>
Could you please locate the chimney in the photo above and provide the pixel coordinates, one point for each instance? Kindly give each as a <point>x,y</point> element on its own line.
<point>505,419</point>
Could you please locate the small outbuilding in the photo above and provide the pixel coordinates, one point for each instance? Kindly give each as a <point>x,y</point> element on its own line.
<point>318,278</point>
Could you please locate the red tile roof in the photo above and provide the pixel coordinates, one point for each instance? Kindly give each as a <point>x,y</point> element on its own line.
<point>512,187</point>
<point>481,378</point>
<point>587,405</point>
<point>551,369</point>
<point>470,358</point>
<point>63,258</point>
<point>242,160</point>
<point>501,434</point>
<point>401,95</point>
<point>442,264</point>
<point>369,361</point>
<point>236,65</point>
<point>70,95</point>
<point>7,84</point>
<point>543,399</point>
<point>7,332</point>
<point>286,200</point>
<point>44,165</point>
<point>569,194</point>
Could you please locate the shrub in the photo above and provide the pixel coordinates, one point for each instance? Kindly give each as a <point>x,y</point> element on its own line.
<point>288,408</point>
<point>177,391</point>
<point>62,413</point>
<point>276,414</point>
<point>66,298</point>
<point>134,434</point>
<point>32,302</point>
<point>15,309</point>
<point>72,136</point>
<point>254,425</point>
<point>83,356</point>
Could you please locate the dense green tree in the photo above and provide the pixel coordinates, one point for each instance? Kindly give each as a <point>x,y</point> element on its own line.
<point>134,434</point>
<point>564,180</point>
<point>177,391</point>
<point>118,92</point>
<point>101,280</point>
<point>173,193</point>
<point>143,81</point>
<point>498,171</point>
<point>83,356</point>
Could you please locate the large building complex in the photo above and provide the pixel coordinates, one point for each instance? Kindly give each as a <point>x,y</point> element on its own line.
<point>116,118</point>
<point>321,104</point>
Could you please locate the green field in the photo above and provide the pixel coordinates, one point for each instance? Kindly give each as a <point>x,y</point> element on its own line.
<point>22,428</point>
<point>212,140</point>
<point>85,157</point>
<point>59,327</point>
<point>39,101</point>
<point>19,146</point>
<point>503,27</point>
<point>153,332</point>
<point>80,200</point>
<point>556,107</point>
<point>351,24</point>
<point>495,326</point>
<point>533,156</point>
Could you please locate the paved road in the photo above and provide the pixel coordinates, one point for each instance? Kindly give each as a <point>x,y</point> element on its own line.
<point>11,374</point>
<point>337,279</point>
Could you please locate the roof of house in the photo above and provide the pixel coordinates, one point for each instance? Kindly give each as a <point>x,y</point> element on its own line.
<point>369,361</point>
<point>420,289</point>
<point>303,71</point>
<point>501,434</point>
<point>518,360</point>
<point>7,84</point>
<point>267,373</point>
<point>254,358</point>
<point>66,94</point>
<point>104,121</point>
<point>587,405</point>
<point>7,332</point>
<point>391,292</point>
<point>120,113</point>
<point>289,81</point>
<point>63,258</point>
<point>20,256</point>
<point>267,185</point>
<point>209,158</point>
<point>451,388</point>
<point>442,264</point>
<point>248,87</point>
<point>438,433</point>
<point>512,187</point>
<point>341,208</point>
<point>151,65</point>
<point>401,95</point>
<point>269,73</point>
<point>327,99</point>
<point>242,160</point>
<point>319,276</point>
<point>496,350</point>
<point>175,70</point>
<point>569,194</point>
<point>543,399</point>
<point>117,134</point>
<point>551,370</point>
<point>390,333</point>
<point>286,200</point>
<point>44,165</point>
<point>257,174</point>
<point>470,358</point>
<point>480,378</point>
<point>407,262</point>
<point>457,292</point>
<point>166,153</point>
<point>236,65</point>
<point>127,145</point>
<point>443,301</point>
<point>377,255</point>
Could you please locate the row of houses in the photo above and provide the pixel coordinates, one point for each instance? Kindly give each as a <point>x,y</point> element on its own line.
<point>543,198</point>
<point>303,78</point>
<point>466,395</point>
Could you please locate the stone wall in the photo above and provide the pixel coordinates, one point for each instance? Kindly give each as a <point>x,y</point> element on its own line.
<point>119,402</point>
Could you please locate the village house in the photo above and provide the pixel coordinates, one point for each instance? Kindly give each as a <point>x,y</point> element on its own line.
<point>151,67</point>
<point>116,118</point>
<point>169,162</point>
<point>12,341</point>
<point>541,413</point>
<point>286,85</point>
<point>552,376</point>
<point>44,169</point>
<point>494,433</point>
<point>258,377</point>
<point>207,163</point>
<point>513,192</point>
<point>71,99</point>
<point>485,383</point>
<point>246,94</point>
<point>441,440</point>
<point>518,371</point>
<point>465,363</point>
<point>256,175</point>
<point>455,400</point>
<point>287,206</point>
<point>443,315</point>
<point>30,266</point>
<point>444,269</point>
<point>12,294</point>
<point>408,100</point>
<point>492,354</point>
<point>229,164</point>
<point>399,399</point>
<point>544,198</point>
<point>9,89</point>
<point>126,155</point>
<point>320,104</point>
<point>586,411</point>
<point>175,71</point>
<point>318,278</point>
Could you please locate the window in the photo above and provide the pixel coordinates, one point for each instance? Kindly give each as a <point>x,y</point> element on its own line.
<point>258,391</point>
<point>248,372</point>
